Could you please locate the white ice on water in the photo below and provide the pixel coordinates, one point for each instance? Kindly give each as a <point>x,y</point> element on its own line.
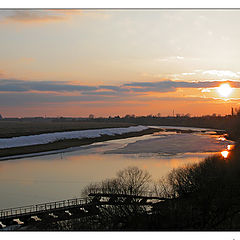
<point>52,137</point>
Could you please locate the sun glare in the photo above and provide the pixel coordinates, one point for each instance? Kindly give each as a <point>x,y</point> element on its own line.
<point>230,147</point>
<point>225,153</point>
<point>224,90</point>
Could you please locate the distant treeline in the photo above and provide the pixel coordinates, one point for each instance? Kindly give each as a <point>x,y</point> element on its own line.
<point>230,123</point>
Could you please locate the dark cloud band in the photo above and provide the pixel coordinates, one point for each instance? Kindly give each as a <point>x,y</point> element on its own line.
<point>14,85</point>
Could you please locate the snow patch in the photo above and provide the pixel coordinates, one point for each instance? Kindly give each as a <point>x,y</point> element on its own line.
<point>52,137</point>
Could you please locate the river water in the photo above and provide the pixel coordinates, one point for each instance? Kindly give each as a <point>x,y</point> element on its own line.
<point>62,176</point>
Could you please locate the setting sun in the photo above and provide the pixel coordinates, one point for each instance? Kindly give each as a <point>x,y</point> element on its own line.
<point>224,90</point>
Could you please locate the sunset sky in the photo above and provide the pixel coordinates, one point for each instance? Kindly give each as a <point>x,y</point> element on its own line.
<point>117,62</point>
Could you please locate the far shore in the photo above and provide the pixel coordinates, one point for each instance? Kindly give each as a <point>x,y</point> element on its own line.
<point>17,152</point>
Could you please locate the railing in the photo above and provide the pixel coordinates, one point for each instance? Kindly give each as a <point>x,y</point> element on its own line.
<point>42,207</point>
<point>76,202</point>
<point>117,191</point>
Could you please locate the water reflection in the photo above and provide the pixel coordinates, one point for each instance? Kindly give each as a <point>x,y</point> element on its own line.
<point>225,153</point>
<point>62,176</point>
<point>221,138</point>
<point>33,180</point>
<point>230,147</point>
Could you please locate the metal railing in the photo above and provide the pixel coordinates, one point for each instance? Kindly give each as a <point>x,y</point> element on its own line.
<point>75,202</point>
<point>118,191</point>
<point>31,209</point>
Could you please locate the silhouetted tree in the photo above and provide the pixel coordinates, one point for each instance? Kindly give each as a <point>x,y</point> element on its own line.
<point>131,180</point>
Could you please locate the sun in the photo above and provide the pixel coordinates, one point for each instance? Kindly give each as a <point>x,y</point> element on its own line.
<point>224,90</point>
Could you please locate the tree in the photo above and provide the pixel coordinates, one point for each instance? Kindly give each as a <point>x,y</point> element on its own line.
<point>131,180</point>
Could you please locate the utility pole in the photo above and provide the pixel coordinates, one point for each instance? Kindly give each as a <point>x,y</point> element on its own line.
<point>173,113</point>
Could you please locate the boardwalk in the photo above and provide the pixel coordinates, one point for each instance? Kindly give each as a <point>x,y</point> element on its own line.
<point>71,208</point>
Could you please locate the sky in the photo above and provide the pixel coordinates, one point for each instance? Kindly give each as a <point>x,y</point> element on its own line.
<point>73,63</point>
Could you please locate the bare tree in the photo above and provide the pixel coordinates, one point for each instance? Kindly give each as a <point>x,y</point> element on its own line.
<point>162,188</point>
<point>131,180</point>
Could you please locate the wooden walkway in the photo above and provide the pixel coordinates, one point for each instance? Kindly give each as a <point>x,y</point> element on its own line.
<point>44,207</point>
<point>71,208</point>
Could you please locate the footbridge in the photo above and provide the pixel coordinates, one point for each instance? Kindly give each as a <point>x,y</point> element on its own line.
<point>70,208</point>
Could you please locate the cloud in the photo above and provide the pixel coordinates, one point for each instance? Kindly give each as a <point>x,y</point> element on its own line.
<point>186,74</point>
<point>103,93</point>
<point>33,98</point>
<point>14,85</point>
<point>198,75</point>
<point>114,88</point>
<point>171,86</point>
<point>170,59</point>
<point>36,16</point>
<point>46,16</point>
<point>30,99</point>
<point>168,86</point>
<point>181,99</point>
<point>16,99</point>
<point>221,73</point>
<point>31,93</point>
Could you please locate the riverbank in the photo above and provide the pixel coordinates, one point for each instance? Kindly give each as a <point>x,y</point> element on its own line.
<point>17,152</point>
<point>19,128</point>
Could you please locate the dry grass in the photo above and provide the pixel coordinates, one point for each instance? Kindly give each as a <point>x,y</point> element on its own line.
<point>25,128</point>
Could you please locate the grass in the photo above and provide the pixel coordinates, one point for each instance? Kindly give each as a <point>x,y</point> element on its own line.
<point>24,128</point>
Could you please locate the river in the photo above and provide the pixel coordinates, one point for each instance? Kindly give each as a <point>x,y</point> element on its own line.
<point>63,175</point>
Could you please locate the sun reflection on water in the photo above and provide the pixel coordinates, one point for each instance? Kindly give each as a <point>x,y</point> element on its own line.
<point>230,147</point>
<point>225,153</point>
<point>221,138</point>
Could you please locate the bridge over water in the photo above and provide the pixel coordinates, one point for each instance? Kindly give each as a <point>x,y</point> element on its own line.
<point>71,208</point>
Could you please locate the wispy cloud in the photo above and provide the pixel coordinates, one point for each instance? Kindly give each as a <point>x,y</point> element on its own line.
<point>30,16</point>
<point>30,98</point>
<point>170,86</point>
<point>198,75</point>
<point>222,73</point>
<point>44,16</point>
<point>170,59</point>
<point>13,85</point>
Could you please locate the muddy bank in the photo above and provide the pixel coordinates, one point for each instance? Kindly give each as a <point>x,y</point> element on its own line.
<point>68,143</point>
